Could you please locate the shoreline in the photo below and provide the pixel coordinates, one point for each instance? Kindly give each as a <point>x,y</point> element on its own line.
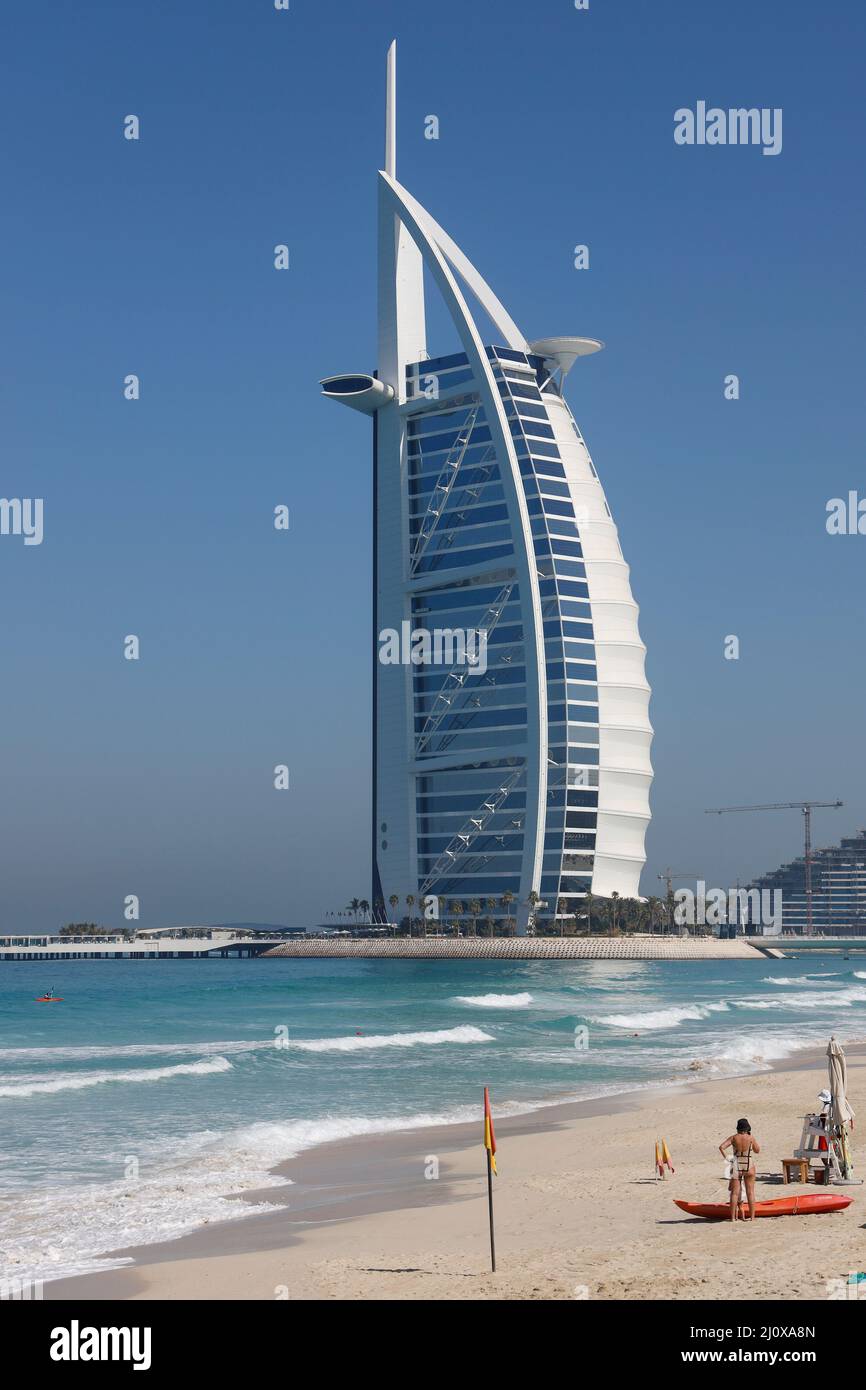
<point>344,1193</point>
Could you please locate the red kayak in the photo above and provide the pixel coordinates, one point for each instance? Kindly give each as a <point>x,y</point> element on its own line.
<point>808,1204</point>
<point>49,999</point>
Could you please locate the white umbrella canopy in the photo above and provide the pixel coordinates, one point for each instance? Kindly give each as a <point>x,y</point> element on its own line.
<point>841,1112</point>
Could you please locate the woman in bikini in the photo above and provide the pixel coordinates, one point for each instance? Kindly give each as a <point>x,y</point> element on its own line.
<point>743,1146</point>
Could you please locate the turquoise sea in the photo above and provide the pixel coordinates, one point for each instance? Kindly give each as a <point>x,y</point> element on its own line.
<point>131,1109</point>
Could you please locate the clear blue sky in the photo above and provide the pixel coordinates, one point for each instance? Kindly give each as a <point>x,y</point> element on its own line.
<point>155,257</point>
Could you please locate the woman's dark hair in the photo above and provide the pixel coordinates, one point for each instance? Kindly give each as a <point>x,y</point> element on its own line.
<point>743,1127</point>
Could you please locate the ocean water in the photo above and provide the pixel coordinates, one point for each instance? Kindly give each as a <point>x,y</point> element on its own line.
<point>131,1110</point>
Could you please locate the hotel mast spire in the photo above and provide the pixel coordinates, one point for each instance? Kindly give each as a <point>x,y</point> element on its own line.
<point>402,330</point>
<point>391,112</point>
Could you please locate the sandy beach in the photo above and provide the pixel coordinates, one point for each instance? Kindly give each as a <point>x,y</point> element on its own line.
<point>578,1214</point>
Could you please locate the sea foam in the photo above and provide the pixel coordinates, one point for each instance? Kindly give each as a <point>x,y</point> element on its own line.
<point>495,1001</point>
<point>361,1042</point>
<point>740,1055</point>
<point>87,1052</point>
<point>23,1086</point>
<point>661,1018</point>
<point>181,1185</point>
<point>799,979</point>
<point>844,998</point>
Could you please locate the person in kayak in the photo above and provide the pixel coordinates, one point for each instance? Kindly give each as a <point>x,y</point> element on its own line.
<point>742,1145</point>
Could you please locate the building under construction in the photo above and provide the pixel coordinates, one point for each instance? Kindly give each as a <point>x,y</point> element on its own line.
<point>838,890</point>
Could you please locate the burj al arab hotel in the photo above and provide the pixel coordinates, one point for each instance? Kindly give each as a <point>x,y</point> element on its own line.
<point>509,787</point>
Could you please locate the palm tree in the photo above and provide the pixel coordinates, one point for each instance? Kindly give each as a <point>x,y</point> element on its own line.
<point>561,907</point>
<point>475,910</point>
<point>410,903</point>
<point>354,906</point>
<point>457,909</point>
<point>506,900</point>
<point>614,900</point>
<point>589,901</point>
<point>365,908</point>
<point>394,900</point>
<point>653,906</point>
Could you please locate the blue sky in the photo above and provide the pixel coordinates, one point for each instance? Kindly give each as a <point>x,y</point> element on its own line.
<point>156,257</point>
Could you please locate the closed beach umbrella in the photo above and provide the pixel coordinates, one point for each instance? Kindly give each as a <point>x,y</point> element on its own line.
<point>840,1112</point>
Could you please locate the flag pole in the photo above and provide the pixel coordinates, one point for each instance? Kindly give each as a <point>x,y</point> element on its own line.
<point>490,1148</point>
<point>490,1213</point>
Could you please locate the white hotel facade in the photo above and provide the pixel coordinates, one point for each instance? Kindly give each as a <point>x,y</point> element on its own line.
<point>530,779</point>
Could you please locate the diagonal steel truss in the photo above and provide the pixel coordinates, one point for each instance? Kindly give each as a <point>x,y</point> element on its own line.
<point>461,843</point>
<point>505,658</point>
<point>454,684</point>
<point>442,491</point>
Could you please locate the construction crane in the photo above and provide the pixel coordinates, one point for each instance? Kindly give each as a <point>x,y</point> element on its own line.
<point>668,879</point>
<point>807,807</point>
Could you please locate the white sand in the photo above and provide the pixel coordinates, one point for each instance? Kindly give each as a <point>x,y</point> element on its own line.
<point>577,1213</point>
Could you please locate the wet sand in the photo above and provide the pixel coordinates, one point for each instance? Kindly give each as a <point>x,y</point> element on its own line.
<point>578,1212</point>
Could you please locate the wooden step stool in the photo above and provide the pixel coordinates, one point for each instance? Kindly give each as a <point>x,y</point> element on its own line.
<point>798,1166</point>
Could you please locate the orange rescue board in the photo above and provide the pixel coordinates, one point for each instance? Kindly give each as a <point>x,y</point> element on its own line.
<point>807,1204</point>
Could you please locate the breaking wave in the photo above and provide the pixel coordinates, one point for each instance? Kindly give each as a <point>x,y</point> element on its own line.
<point>24,1086</point>
<point>360,1042</point>
<point>495,1001</point>
<point>661,1018</point>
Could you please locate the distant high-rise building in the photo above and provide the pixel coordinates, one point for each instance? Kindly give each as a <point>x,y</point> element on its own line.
<point>525,775</point>
<point>838,889</point>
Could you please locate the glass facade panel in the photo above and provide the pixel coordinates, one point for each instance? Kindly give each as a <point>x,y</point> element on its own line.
<point>470,819</point>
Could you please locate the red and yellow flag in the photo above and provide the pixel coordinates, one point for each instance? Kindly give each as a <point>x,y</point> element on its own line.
<point>489,1136</point>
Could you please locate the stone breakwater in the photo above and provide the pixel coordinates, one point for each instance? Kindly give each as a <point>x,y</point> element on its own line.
<point>527,948</point>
